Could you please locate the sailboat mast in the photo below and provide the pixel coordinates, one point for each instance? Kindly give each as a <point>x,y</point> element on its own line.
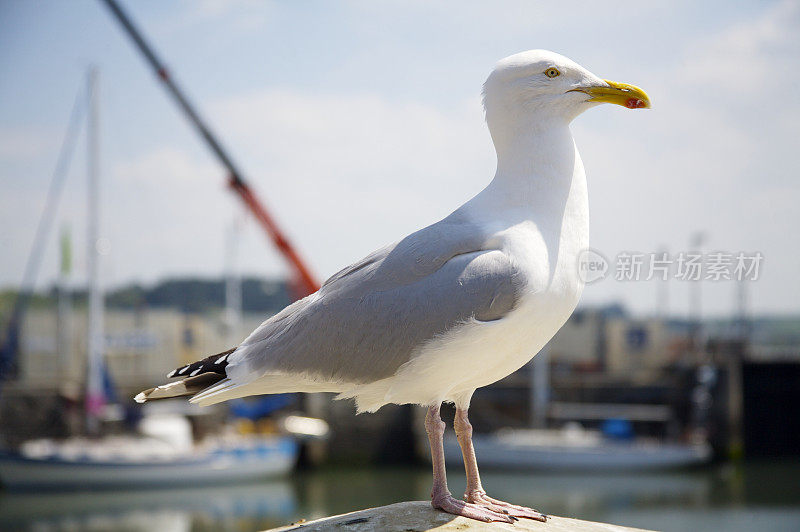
<point>95,334</point>
<point>233,286</point>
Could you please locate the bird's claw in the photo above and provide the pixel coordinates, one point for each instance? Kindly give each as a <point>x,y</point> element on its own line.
<point>512,510</point>
<point>479,512</point>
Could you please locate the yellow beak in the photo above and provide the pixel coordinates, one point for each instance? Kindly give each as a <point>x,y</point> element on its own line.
<point>629,96</point>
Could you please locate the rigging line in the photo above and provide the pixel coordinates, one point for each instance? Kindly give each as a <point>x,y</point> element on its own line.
<point>43,228</point>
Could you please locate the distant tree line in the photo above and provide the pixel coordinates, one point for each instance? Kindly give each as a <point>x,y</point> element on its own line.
<point>188,294</point>
<point>198,295</point>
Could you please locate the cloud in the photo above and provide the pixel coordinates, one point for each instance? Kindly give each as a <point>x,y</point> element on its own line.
<point>753,57</point>
<point>164,168</point>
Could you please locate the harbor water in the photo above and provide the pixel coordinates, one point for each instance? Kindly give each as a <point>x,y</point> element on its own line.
<point>755,496</point>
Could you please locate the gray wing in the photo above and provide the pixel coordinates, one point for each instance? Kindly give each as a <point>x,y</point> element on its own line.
<point>367,319</point>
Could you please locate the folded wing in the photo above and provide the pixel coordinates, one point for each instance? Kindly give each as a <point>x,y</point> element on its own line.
<point>369,319</point>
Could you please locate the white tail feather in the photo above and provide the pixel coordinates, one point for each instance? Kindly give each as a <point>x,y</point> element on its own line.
<point>268,384</point>
<point>187,386</point>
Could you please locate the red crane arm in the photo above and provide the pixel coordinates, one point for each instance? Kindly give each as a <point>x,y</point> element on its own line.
<point>306,282</point>
<point>308,285</point>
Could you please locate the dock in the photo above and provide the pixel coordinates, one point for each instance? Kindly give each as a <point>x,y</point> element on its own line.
<point>419,516</point>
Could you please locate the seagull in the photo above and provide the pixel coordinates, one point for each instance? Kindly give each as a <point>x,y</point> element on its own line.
<point>455,306</point>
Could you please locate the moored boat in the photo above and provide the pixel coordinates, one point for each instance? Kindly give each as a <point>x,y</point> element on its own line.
<point>135,462</point>
<point>577,449</point>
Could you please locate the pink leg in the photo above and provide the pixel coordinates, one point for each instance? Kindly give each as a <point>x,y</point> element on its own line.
<point>440,495</point>
<point>475,493</point>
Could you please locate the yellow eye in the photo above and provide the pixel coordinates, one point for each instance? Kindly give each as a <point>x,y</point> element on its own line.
<point>552,72</point>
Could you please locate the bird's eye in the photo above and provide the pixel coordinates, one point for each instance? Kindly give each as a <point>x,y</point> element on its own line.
<point>552,72</point>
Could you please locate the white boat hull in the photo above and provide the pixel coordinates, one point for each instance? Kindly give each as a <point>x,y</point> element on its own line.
<point>265,459</point>
<point>494,453</point>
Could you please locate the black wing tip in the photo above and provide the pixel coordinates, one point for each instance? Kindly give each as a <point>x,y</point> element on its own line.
<point>178,372</point>
<point>215,363</point>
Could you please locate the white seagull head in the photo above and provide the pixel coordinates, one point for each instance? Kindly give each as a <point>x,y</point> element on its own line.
<point>539,86</point>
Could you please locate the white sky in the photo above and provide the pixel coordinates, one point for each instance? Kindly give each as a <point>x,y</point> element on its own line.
<point>359,122</point>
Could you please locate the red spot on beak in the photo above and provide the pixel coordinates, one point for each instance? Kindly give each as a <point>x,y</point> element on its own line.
<point>634,103</point>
